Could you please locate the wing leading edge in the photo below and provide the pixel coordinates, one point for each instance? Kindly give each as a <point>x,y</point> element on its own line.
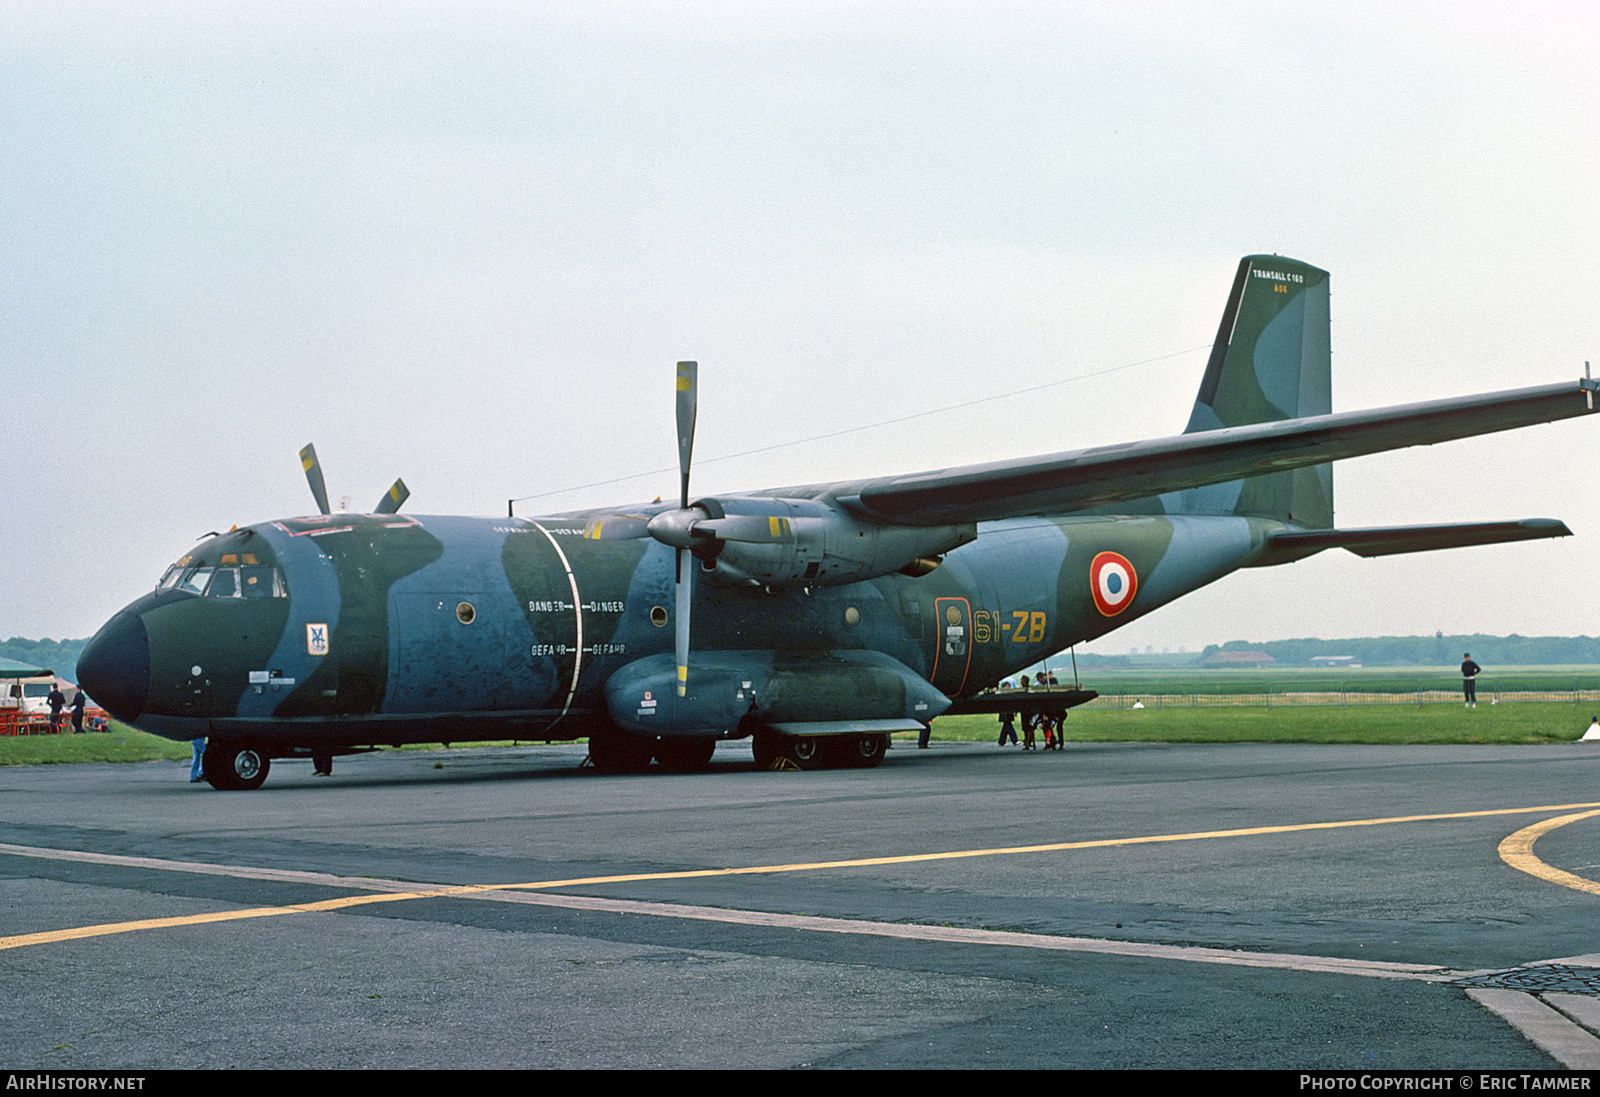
<point>1076,480</point>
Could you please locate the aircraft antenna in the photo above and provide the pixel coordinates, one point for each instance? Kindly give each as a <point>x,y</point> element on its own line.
<point>874,425</point>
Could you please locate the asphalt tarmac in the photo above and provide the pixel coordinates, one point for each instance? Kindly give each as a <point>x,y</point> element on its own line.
<point>1111,905</point>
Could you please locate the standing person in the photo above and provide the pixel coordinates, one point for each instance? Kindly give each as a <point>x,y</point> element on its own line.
<point>1008,728</point>
<point>197,765</point>
<point>1469,680</point>
<point>1047,720</point>
<point>77,712</point>
<point>57,701</point>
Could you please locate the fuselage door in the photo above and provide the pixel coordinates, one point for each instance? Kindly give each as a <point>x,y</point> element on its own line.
<point>952,654</point>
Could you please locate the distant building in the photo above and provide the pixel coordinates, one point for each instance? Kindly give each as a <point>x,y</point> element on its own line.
<point>1236,659</point>
<point>1334,661</point>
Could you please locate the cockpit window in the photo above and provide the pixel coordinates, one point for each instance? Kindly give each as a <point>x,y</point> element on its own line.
<point>240,576</point>
<point>261,582</point>
<point>194,580</point>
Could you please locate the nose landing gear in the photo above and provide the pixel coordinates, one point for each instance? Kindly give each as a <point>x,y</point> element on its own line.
<point>235,766</point>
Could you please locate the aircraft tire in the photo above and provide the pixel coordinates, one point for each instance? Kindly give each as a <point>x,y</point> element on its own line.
<point>616,751</point>
<point>806,751</point>
<point>233,767</point>
<point>684,755</point>
<point>765,747</point>
<point>864,751</point>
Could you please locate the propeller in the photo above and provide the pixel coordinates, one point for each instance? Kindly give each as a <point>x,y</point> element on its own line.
<point>692,531</point>
<point>390,503</point>
<point>688,401</point>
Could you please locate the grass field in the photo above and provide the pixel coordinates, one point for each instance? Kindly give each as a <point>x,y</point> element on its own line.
<point>120,744</point>
<point>1519,723</point>
<point>1351,679</point>
<point>1102,721</point>
<point>1504,724</point>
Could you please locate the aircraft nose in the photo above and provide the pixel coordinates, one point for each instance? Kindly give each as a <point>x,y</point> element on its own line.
<point>114,668</point>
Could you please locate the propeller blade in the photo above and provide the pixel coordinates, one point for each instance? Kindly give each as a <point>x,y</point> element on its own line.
<point>681,625</point>
<point>688,398</point>
<point>754,529</point>
<point>617,527</point>
<point>688,401</point>
<point>319,489</point>
<point>392,498</point>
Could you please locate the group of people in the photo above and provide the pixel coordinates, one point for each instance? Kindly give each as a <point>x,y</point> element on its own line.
<point>1046,721</point>
<point>58,701</point>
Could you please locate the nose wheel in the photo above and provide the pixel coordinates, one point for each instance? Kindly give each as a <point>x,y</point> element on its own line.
<point>234,766</point>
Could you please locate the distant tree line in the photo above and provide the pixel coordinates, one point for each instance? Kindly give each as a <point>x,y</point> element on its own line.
<point>1436,650</point>
<point>60,656</point>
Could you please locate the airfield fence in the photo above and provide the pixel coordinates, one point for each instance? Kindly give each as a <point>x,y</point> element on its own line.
<point>1287,698</point>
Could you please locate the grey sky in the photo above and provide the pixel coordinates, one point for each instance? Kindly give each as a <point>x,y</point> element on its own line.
<point>465,243</point>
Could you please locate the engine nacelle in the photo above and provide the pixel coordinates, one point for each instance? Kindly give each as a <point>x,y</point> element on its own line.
<point>813,544</point>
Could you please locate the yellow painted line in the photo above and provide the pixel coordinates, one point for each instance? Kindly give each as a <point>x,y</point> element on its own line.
<point>1517,851</point>
<point>1097,843</point>
<point>80,932</point>
<point>443,891</point>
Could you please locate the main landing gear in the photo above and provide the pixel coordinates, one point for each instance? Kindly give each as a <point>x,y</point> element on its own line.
<point>613,750</point>
<point>773,750</point>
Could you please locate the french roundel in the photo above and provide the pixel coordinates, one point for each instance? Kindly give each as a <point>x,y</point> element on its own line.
<point>1113,583</point>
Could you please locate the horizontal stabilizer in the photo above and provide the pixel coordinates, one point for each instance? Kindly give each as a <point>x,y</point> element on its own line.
<point>1065,482</point>
<point>1283,548</point>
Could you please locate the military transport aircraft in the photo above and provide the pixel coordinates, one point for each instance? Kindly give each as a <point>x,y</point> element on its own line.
<point>824,617</point>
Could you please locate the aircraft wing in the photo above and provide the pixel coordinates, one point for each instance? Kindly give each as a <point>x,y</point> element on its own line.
<point>1061,483</point>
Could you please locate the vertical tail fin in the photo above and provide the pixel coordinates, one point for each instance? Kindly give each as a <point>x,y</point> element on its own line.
<point>1271,361</point>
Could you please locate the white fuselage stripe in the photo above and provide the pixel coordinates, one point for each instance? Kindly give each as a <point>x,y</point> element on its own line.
<point>577,616</point>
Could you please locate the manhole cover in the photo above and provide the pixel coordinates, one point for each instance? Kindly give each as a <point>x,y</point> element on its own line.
<point>1562,977</point>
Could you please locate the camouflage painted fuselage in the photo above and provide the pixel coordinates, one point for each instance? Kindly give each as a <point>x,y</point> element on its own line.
<point>398,629</point>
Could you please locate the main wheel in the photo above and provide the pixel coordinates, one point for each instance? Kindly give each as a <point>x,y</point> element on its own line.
<point>684,755</point>
<point>805,751</point>
<point>765,747</point>
<point>231,766</point>
<point>613,750</point>
<point>864,751</point>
